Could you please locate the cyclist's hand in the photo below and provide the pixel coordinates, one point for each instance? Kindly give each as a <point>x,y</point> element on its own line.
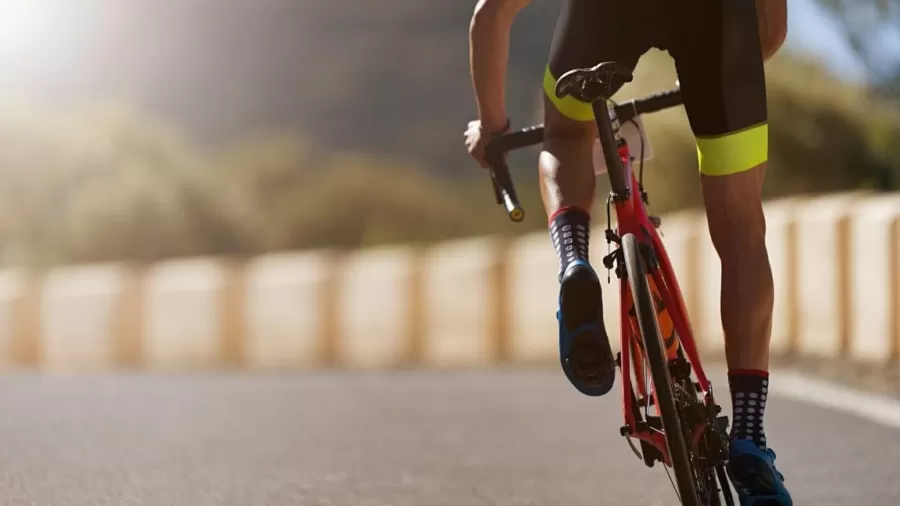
<point>477,139</point>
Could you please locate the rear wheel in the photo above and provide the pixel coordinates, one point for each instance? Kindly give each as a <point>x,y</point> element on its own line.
<point>646,313</point>
<point>711,451</point>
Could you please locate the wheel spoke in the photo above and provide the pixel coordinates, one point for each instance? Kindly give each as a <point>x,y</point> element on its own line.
<point>672,481</point>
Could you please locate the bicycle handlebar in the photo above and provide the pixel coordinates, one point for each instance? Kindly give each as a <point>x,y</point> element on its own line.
<point>505,190</point>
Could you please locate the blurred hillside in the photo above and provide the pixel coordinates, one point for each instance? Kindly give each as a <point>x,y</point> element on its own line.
<point>387,77</point>
<point>242,127</point>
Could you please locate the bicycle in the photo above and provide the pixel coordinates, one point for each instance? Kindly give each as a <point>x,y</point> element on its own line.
<point>685,431</point>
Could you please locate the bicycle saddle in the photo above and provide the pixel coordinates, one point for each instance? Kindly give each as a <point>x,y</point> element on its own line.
<point>591,84</point>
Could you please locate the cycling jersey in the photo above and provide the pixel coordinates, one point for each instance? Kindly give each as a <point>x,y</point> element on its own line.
<point>717,53</point>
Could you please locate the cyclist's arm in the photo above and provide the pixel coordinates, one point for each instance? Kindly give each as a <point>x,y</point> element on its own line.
<point>772,16</point>
<point>488,58</point>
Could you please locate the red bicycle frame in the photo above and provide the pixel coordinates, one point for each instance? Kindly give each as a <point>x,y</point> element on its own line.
<point>632,217</point>
<point>698,414</point>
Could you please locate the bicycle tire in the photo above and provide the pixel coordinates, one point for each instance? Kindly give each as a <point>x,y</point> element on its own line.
<point>645,309</point>
<point>715,479</point>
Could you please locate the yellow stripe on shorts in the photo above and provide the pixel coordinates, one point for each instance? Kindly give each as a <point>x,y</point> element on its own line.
<point>734,152</point>
<point>568,106</point>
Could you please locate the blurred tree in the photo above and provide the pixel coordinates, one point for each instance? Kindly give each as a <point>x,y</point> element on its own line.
<point>104,184</point>
<point>866,24</point>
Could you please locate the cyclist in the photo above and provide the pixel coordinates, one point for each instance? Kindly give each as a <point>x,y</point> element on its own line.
<point>719,47</point>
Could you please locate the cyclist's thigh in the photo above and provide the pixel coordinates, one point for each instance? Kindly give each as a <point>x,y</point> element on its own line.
<point>589,32</point>
<point>719,61</point>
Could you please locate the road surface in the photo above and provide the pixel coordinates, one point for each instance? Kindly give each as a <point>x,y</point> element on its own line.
<point>372,439</point>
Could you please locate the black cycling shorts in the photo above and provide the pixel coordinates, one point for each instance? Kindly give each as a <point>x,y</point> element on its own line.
<point>717,53</point>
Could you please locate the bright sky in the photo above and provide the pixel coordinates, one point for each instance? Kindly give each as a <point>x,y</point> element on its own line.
<point>811,30</point>
<point>37,29</point>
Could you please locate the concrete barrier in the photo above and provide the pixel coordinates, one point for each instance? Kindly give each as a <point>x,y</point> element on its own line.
<point>10,292</point>
<point>473,302</point>
<point>379,316</point>
<point>465,303</point>
<point>822,275</point>
<point>18,320</point>
<point>781,243</point>
<point>707,308</point>
<point>289,320</point>
<point>874,276</point>
<point>533,290</point>
<point>186,315</point>
<point>82,310</point>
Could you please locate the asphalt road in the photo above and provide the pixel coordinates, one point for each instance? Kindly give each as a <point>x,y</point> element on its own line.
<point>400,439</point>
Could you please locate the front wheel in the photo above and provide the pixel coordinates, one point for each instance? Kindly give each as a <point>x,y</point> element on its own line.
<point>646,313</point>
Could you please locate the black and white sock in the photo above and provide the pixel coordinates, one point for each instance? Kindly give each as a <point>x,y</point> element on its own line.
<point>749,390</point>
<point>570,230</point>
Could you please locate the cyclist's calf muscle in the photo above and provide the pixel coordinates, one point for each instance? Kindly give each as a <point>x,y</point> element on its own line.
<point>567,176</point>
<point>737,227</point>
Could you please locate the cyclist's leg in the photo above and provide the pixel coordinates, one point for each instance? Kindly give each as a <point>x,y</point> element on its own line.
<point>720,66</point>
<point>588,32</point>
<point>723,82</point>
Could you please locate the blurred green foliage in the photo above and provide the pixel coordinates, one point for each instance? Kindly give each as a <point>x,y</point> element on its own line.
<point>865,25</point>
<point>110,183</point>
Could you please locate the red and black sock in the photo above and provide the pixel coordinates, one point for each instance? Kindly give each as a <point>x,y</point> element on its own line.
<point>749,390</point>
<point>570,230</point>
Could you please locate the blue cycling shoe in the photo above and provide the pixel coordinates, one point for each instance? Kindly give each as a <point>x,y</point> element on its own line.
<point>753,473</point>
<point>584,350</point>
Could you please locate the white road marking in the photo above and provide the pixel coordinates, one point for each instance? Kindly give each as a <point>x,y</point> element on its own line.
<point>876,408</point>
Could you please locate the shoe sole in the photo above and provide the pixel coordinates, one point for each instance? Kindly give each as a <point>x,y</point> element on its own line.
<point>590,356</point>
<point>751,473</point>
